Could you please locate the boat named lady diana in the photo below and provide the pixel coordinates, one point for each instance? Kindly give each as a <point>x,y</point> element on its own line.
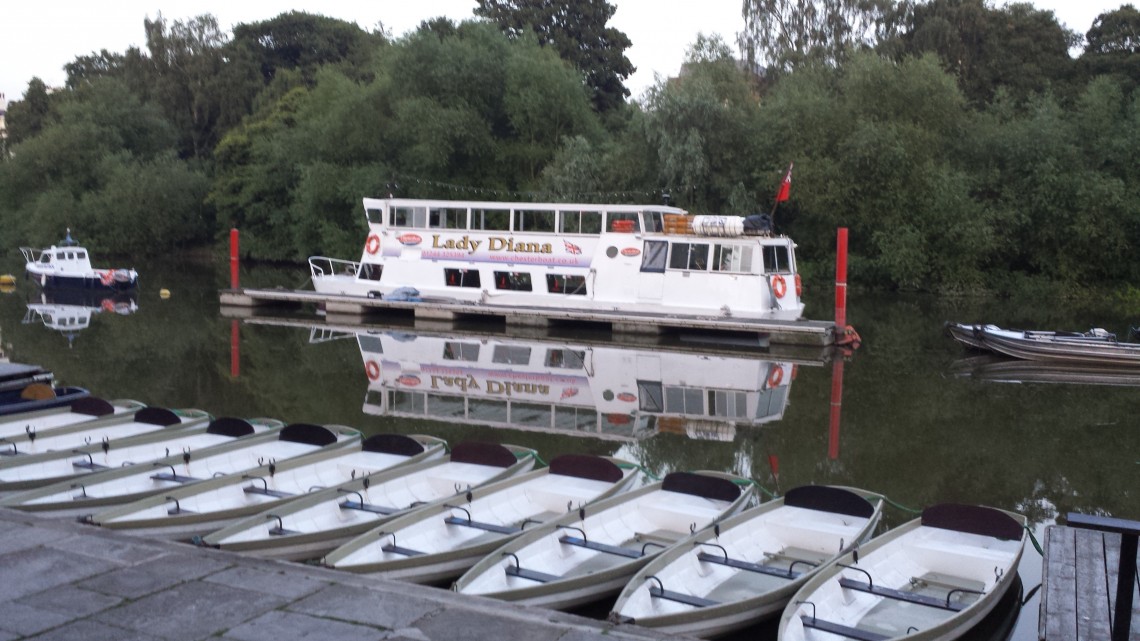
<point>630,258</point>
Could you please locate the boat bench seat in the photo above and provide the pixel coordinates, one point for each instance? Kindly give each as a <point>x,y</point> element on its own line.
<point>531,575</point>
<point>174,477</point>
<point>396,549</point>
<point>902,595</point>
<point>480,525</point>
<point>369,507</point>
<point>680,597</point>
<point>841,630</point>
<point>602,547</point>
<point>88,465</point>
<point>771,570</point>
<point>253,489</point>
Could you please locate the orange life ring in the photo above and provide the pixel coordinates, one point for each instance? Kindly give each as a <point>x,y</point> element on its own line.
<point>373,370</point>
<point>799,287</point>
<point>372,245</point>
<point>775,376</point>
<point>779,286</point>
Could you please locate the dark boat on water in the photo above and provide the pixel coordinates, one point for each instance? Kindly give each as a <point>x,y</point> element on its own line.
<point>1095,347</point>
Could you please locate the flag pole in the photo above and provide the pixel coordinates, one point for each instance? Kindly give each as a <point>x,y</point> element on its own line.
<point>784,192</point>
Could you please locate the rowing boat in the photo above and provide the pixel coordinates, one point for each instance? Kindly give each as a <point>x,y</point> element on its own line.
<point>82,410</point>
<point>746,568</point>
<point>591,553</point>
<point>199,508</point>
<point>932,579</point>
<point>126,484</point>
<point>441,540</point>
<point>44,468</point>
<point>317,523</point>
<point>148,420</point>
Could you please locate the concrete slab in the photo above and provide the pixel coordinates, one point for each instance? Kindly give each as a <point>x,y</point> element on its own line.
<point>272,580</point>
<point>71,601</point>
<point>26,620</point>
<point>274,626</point>
<point>191,611</point>
<point>38,569</point>
<point>92,631</point>
<point>153,575</point>
<point>386,610</point>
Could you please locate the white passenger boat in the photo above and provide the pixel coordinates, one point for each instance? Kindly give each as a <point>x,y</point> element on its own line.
<point>84,410</point>
<point>591,553</point>
<point>565,387</point>
<point>34,470</point>
<point>199,508</point>
<point>315,524</point>
<point>932,579</point>
<point>125,484</point>
<point>636,259</point>
<point>148,420</point>
<point>440,541</point>
<point>68,266</point>
<point>744,569</point>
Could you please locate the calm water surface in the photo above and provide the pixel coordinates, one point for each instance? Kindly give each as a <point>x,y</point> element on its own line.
<point>917,424</point>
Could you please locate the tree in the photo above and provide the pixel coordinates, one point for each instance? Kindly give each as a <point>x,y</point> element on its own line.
<point>783,34</point>
<point>26,118</point>
<point>577,31</point>
<point>1113,44</point>
<point>305,42</point>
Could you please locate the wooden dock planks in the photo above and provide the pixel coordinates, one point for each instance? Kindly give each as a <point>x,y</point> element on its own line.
<point>1079,591</point>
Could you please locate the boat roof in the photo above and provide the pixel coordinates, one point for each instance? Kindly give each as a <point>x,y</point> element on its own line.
<point>14,371</point>
<point>490,204</point>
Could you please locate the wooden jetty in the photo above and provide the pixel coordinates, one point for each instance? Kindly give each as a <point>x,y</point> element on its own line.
<point>801,332</point>
<point>1089,581</point>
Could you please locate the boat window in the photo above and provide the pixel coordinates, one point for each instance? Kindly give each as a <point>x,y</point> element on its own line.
<point>684,400</point>
<point>530,414</point>
<point>623,222</point>
<point>81,255</point>
<point>487,411</point>
<point>371,344</point>
<point>575,419</point>
<point>511,354</point>
<point>691,256</point>
<point>534,221</point>
<point>580,222</point>
<point>409,217</point>
<point>731,404</point>
<point>565,358</point>
<point>371,271</point>
<point>732,258</point>
<point>461,277</point>
<point>445,406</point>
<point>559,284</point>
<point>651,396</point>
<point>491,219</point>
<point>69,255</point>
<point>517,281</point>
<point>653,256</point>
<point>456,351</point>
<point>447,218</point>
<point>654,221</point>
<point>777,259</point>
<point>45,258</point>
<point>374,215</point>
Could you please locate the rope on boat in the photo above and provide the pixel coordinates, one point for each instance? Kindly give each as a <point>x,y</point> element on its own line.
<point>635,466</point>
<point>904,508</point>
<point>763,490</point>
<point>1036,544</point>
<point>533,454</point>
<point>192,413</point>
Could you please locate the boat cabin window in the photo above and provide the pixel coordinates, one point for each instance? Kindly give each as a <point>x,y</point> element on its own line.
<point>690,256</point>
<point>654,221</point>
<point>461,277</point>
<point>534,221</point>
<point>580,222</point>
<point>511,355</point>
<point>81,255</point>
<point>623,222</point>
<point>409,217</point>
<point>447,218</point>
<point>516,281</point>
<point>559,284</point>
<point>732,258</point>
<point>456,351</point>
<point>369,343</point>
<point>374,215</point>
<point>371,271</point>
<point>777,259</point>
<point>491,219</point>
<point>565,358</point>
<point>45,258</point>
<point>727,403</point>
<point>654,255</point>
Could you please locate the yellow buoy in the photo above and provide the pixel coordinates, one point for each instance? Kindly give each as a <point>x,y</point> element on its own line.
<point>7,279</point>
<point>164,293</point>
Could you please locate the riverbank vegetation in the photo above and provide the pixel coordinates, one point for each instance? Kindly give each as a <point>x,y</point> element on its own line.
<point>968,148</point>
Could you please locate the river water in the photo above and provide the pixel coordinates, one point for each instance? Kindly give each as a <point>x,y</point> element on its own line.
<point>913,421</point>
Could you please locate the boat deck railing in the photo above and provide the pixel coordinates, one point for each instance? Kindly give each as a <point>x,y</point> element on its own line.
<point>322,266</point>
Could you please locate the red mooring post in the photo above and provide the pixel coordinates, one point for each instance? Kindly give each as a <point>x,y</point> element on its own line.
<point>235,349</point>
<point>836,405</point>
<point>841,280</point>
<point>233,258</point>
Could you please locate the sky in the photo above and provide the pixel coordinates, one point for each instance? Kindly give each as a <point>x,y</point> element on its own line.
<point>39,38</point>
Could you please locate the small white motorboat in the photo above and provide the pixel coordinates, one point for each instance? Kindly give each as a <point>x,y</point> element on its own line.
<point>34,470</point>
<point>744,569</point>
<point>932,579</point>
<point>131,483</point>
<point>592,552</point>
<point>441,540</point>
<point>84,410</point>
<point>200,508</point>
<point>315,524</point>
<point>68,266</point>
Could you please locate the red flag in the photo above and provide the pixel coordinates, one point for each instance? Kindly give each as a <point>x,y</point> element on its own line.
<point>786,186</point>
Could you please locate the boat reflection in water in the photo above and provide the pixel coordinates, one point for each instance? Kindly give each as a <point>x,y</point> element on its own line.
<point>560,386</point>
<point>1000,369</point>
<point>70,311</point>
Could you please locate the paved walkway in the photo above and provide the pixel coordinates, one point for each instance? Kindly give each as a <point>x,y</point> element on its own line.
<point>63,580</point>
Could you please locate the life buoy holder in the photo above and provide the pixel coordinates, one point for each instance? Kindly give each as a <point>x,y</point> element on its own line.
<point>373,370</point>
<point>779,286</point>
<point>372,245</point>
<point>799,287</point>
<point>775,376</point>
